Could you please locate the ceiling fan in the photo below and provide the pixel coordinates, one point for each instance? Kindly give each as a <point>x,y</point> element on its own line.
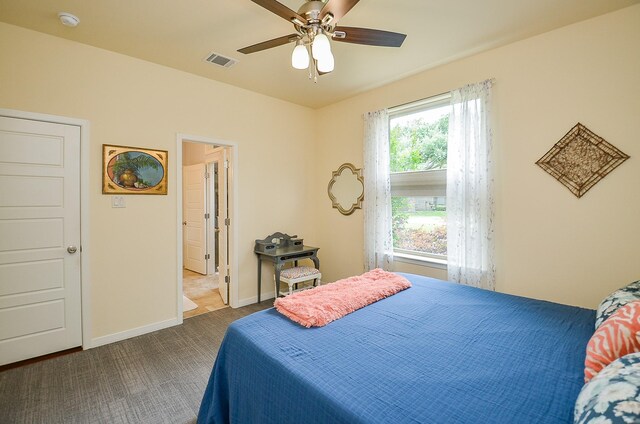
<point>315,22</point>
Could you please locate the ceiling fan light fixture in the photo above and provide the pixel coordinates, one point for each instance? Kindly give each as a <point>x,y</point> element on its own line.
<point>326,64</point>
<point>315,24</point>
<point>320,48</point>
<point>300,56</point>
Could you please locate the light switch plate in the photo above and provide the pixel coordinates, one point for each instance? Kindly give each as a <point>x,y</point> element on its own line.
<point>118,202</point>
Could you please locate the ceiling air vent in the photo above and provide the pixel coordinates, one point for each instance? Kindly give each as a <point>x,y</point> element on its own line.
<point>218,59</point>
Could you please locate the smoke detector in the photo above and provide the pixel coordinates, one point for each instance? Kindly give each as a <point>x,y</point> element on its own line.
<point>67,19</point>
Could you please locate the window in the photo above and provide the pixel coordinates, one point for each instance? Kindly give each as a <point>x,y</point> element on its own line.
<point>418,160</point>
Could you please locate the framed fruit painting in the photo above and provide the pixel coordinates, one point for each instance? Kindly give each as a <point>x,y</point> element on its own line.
<point>133,170</point>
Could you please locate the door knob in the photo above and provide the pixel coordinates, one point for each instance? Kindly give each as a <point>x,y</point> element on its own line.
<point>184,222</point>
<point>72,249</point>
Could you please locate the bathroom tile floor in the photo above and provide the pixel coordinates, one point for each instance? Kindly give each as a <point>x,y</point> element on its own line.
<point>203,291</point>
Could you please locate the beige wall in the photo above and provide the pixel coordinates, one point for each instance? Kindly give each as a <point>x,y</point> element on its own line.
<point>550,245</point>
<point>136,103</point>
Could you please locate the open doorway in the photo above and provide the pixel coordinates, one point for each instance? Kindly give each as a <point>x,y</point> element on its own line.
<point>205,227</point>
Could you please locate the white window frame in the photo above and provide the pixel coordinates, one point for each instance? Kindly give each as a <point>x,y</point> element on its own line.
<point>419,183</point>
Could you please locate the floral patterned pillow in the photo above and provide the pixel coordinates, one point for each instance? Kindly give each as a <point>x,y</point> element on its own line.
<point>615,300</point>
<point>613,396</point>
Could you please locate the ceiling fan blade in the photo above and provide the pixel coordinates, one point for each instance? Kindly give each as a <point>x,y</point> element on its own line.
<point>269,44</point>
<point>370,37</point>
<point>338,8</point>
<point>280,9</point>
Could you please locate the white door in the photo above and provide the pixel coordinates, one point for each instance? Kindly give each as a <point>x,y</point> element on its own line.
<point>219,162</point>
<point>212,204</point>
<point>194,234</point>
<point>40,299</point>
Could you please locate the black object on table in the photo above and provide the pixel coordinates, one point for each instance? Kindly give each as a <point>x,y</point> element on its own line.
<point>279,248</point>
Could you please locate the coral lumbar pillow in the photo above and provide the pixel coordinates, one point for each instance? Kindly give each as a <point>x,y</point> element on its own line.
<point>618,336</point>
<point>612,396</point>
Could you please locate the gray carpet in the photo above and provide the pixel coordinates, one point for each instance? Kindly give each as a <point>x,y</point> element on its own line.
<point>155,378</point>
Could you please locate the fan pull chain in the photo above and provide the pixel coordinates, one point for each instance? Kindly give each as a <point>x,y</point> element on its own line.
<point>312,65</point>
<point>315,71</point>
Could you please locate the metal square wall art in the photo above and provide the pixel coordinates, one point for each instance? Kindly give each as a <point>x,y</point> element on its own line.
<point>581,159</point>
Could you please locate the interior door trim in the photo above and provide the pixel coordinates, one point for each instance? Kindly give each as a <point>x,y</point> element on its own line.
<point>85,159</point>
<point>233,214</point>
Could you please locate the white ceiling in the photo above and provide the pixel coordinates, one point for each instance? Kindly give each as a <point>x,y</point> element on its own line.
<point>181,33</point>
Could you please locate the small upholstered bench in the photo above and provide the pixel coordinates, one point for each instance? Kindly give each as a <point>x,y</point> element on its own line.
<point>298,274</point>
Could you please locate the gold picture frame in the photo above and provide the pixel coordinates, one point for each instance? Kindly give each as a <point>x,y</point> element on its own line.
<point>133,170</point>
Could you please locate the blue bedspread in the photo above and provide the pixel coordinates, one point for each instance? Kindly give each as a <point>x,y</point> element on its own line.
<point>436,353</point>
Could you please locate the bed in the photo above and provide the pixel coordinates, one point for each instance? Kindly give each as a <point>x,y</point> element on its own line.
<point>437,352</point>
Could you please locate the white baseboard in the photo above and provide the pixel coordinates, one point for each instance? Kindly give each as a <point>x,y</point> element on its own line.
<point>127,334</point>
<point>254,299</point>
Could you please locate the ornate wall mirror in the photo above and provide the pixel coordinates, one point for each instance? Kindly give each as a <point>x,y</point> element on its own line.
<point>346,189</point>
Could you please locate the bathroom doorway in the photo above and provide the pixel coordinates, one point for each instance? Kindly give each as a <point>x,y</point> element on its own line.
<point>205,227</point>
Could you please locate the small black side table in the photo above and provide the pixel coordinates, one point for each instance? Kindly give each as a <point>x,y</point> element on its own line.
<point>281,256</point>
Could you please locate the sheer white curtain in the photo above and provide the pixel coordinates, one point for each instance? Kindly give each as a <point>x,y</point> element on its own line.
<point>378,244</point>
<point>470,205</point>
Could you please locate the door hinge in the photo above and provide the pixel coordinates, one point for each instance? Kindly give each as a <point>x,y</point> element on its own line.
<point>226,164</point>
<point>206,175</point>
<point>206,216</point>
<point>207,256</point>
<point>227,279</point>
<point>227,221</point>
